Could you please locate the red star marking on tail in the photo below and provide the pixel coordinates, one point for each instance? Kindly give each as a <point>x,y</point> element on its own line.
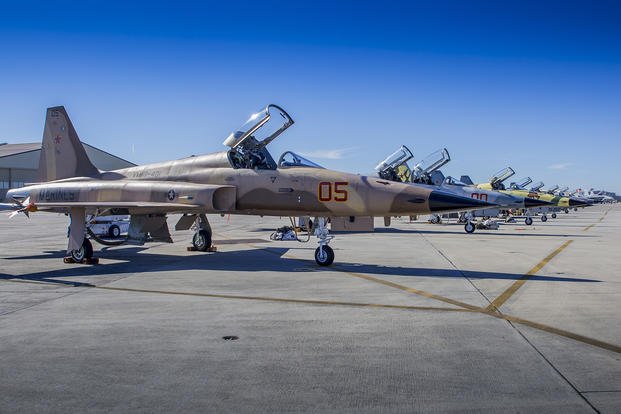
<point>58,139</point>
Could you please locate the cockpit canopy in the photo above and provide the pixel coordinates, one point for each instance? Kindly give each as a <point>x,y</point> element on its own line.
<point>428,170</point>
<point>249,141</point>
<point>432,162</point>
<point>537,186</point>
<point>454,181</point>
<point>521,184</point>
<point>553,189</point>
<point>291,159</point>
<point>497,179</point>
<point>395,167</point>
<point>400,156</point>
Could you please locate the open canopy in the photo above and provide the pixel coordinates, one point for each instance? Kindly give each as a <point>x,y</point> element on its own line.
<point>291,159</point>
<point>261,126</point>
<point>248,143</point>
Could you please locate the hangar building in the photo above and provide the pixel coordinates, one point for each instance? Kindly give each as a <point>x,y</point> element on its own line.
<point>19,163</point>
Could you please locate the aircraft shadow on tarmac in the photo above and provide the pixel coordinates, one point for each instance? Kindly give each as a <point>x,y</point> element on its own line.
<point>248,260</point>
<point>485,232</point>
<point>389,230</point>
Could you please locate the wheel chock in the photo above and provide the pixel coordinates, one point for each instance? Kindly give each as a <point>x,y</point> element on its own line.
<point>210,250</point>
<point>71,260</point>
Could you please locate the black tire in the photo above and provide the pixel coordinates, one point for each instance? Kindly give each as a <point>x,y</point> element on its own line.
<point>544,218</point>
<point>553,215</point>
<point>528,221</point>
<point>326,258</point>
<point>469,227</point>
<point>202,240</point>
<point>114,231</point>
<point>84,252</point>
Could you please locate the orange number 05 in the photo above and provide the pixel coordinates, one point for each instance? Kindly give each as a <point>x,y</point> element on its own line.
<point>328,191</point>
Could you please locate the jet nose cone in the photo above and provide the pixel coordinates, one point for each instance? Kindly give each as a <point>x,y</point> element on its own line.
<point>576,202</point>
<point>441,201</point>
<point>533,202</point>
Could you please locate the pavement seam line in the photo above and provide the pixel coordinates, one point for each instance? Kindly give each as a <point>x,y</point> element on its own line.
<point>554,368</point>
<point>510,291</point>
<point>441,253</point>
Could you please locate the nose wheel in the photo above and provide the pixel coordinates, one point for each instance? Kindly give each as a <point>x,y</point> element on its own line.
<point>469,227</point>
<point>544,218</point>
<point>324,255</point>
<point>528,221</point>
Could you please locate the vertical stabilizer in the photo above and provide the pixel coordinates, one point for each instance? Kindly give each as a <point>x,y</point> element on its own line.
<point>62,153</point>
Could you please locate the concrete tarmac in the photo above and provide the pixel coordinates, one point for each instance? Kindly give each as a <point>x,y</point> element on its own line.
<point>412,318</point>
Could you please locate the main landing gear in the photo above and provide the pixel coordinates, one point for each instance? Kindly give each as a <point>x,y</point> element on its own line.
<point>528,221</point>
<point>544,218</point>
<point>79,248</point>
<point>202,240</point>
<point>324,255</point>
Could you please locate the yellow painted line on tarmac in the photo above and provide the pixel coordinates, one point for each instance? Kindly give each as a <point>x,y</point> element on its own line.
<point>557,331</point>
<point>281,300</point>
<point>504,296</point>
<point>243,297</point>
<point>410,290</point>
<point>382,282</point>
<point>587,228</point>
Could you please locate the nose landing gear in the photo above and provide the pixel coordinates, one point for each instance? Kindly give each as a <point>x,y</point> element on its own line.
<point>324,255</point>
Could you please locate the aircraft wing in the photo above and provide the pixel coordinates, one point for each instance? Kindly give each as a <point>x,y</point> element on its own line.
<point>139,197</point>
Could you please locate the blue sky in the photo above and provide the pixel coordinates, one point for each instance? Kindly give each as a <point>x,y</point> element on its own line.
<point>535,85</point>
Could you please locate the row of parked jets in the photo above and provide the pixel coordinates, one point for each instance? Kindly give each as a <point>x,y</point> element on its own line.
<point>246,179</point>
<point>521,198</point>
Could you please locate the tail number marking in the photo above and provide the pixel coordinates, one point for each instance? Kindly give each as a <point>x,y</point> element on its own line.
<point>479,196</point>
<point>337,191</point>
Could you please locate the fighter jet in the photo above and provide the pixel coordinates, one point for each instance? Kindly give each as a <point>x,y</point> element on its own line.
<point>427,172</point>
<point>497,180</point>
<point>245,179</point>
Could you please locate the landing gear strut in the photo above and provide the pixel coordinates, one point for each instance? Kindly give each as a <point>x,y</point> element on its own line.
<point>469,227</point>
<point>79,248</point>
<point>324,255</point>
<point>202,237</point>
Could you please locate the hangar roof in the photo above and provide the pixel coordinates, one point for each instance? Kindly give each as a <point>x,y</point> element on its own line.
<point>8,150</point>
<point>13,149</point>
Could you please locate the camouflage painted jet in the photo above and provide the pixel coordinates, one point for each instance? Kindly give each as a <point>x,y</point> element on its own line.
<point>245,179</point>
<point>427,173</point>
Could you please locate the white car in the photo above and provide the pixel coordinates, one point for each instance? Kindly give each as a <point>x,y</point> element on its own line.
<point>108,226</point>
